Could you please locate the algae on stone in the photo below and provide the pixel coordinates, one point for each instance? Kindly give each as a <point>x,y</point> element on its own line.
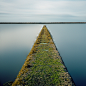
<point>43,65</point>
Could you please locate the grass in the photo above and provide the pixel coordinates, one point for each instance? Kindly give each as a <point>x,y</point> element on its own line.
<point>46,64</point>
<point>45,70</point>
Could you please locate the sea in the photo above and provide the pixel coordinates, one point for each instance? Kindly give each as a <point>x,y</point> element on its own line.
<point>16,41</point>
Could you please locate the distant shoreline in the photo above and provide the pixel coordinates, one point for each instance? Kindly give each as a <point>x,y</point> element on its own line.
<point>42,22</point>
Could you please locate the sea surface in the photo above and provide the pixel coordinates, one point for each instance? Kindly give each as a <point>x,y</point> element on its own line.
<point>16,41</point>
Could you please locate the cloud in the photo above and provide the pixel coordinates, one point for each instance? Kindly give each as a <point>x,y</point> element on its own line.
<point>17,8</point>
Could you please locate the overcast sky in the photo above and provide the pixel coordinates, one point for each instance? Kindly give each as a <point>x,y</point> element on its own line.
<point>42,10</point>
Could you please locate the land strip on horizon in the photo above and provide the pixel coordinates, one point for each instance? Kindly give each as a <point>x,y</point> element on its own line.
<point>42,22</point>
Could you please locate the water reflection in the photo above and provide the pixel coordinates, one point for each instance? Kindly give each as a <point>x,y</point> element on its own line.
<point>17,40</point>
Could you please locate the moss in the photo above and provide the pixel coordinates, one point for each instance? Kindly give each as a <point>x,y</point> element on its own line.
<point>46,69</point>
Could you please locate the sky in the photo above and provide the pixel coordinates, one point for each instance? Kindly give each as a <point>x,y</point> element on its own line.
<point>42,10</point>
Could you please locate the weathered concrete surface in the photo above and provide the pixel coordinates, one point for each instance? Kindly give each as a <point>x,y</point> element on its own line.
<point>43,65</point>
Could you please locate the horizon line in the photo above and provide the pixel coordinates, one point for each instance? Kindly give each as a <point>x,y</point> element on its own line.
<point>42,22</point>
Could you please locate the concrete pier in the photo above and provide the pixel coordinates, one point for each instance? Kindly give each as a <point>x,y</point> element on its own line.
<point>44,65</point>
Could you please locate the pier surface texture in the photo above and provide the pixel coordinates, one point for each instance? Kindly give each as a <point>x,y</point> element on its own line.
<point>44,65</point>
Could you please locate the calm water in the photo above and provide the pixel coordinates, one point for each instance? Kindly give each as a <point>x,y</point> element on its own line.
<point>17,40</point>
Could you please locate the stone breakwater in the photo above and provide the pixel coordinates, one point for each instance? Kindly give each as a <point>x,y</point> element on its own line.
<point>43,65</point>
